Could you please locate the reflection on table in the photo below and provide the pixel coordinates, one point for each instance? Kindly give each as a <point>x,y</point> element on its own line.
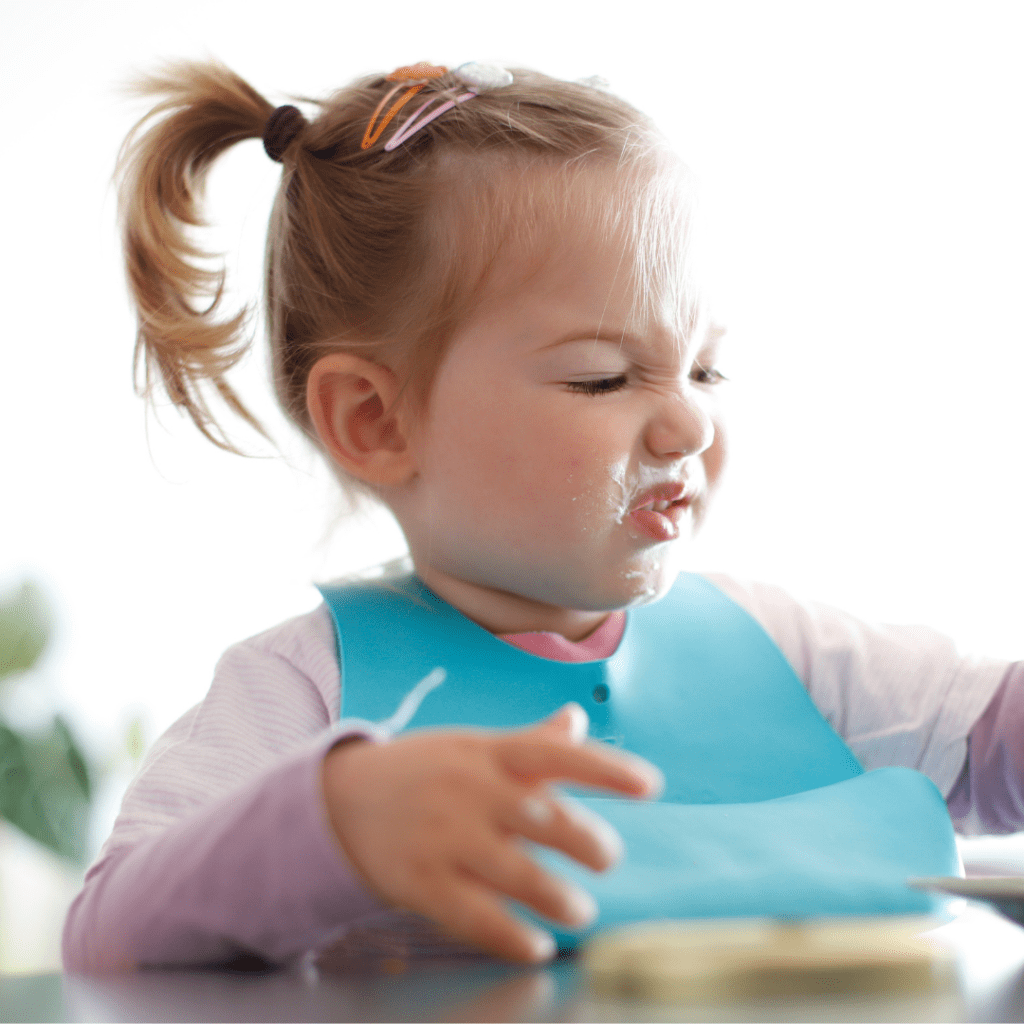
<point>987,985</point>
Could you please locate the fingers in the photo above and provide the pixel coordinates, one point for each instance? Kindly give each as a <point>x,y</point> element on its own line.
<point>504,866</point>
<point>563,825</point>
<point>570,720</point>
<point>532,758</point>
<point>471,912</point>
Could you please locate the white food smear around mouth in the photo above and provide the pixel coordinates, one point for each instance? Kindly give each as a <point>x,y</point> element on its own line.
<point>647,589</point>
<point>619,503</point>
<point>599,501</point>
<point>646,478</point>
<point>588,501</point>
<point>650,563</point>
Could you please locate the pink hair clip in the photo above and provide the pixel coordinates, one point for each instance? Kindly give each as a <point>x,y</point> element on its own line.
<point>477,77</point>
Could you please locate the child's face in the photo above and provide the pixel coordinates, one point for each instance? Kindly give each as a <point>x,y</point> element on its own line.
<point>526,483</point>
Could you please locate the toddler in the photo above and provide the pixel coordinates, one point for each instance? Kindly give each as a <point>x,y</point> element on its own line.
<point>483,311</point>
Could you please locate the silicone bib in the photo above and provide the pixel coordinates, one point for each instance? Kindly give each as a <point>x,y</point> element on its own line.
<point>766,811</point>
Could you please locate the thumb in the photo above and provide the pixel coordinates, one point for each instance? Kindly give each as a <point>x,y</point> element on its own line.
<point>571,720</point>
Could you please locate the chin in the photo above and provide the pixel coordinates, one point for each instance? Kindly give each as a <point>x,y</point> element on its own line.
<point>651,580</point>
<point>647,593</point>
<point>630,589</point>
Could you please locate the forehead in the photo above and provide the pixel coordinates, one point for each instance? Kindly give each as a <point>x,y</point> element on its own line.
<point>599,243</point>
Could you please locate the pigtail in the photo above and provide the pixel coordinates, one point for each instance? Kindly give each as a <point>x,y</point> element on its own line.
<point>161,171</point>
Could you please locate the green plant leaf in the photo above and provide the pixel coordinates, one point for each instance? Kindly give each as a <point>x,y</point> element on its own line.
<point>73,756</point>
<point>45,788</point>
<point>24,628</point>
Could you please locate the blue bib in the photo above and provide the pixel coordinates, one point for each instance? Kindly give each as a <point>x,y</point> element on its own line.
<point>766,811</point>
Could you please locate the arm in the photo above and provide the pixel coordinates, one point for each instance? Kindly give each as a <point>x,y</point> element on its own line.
<point>223,845</point>
<point>988,797</point>
<point>253,830</point>
<point>898,695</point>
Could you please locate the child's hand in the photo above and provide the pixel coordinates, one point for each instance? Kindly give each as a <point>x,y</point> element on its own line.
<point>432,822</point>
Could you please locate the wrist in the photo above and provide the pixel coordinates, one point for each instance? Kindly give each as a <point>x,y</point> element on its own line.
<point>337,782</point>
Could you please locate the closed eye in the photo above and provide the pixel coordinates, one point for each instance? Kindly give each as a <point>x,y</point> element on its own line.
<point>605,385</point>
<point>709,375</point>
<point>602,386</point>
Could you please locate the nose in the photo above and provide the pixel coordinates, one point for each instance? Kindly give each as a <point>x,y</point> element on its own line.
<point>681,427</point>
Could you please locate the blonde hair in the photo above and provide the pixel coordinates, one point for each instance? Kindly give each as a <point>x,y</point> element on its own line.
<point>366,250</point>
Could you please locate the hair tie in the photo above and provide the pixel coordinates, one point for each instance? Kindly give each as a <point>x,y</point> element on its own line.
<point>280,130</point>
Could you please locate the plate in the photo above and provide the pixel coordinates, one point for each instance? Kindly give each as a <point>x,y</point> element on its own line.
<point>1005,893</point>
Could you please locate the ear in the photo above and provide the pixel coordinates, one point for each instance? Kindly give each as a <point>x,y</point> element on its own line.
<point>350,401</point>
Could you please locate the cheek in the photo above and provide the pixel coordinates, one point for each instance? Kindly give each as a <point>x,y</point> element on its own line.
<point>487,456</point>
<point>499,450</point>
<point>592,474</point>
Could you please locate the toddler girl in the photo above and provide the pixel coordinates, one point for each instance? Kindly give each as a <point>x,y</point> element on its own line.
<point>482,310</point>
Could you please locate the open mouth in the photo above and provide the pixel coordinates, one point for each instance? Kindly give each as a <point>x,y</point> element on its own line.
<point>662,506</point>
<point>660,520</point>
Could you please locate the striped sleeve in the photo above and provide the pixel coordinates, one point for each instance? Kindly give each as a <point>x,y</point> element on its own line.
<point>898,695</point>
<point>223,846</point>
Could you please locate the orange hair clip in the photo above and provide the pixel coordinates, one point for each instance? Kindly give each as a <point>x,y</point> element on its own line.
<point>415,77</point>
<point>417,72</point>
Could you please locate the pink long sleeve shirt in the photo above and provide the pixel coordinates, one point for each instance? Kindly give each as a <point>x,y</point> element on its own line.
<point>223,847</point>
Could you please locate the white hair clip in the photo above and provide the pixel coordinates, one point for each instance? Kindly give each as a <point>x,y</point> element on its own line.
<point>595,82</point>
<point>482,77</point>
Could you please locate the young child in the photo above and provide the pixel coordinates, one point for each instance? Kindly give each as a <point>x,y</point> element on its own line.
<point>482,310</point>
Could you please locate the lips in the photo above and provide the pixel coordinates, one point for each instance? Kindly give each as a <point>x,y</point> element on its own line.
<point>658,511</point>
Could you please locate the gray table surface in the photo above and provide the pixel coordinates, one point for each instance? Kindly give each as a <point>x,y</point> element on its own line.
<point>988,985</point>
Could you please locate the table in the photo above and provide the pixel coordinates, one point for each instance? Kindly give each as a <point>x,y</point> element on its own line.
<point>988,986</point>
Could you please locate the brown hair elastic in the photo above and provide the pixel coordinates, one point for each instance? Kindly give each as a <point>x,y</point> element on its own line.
<point>280,130</point>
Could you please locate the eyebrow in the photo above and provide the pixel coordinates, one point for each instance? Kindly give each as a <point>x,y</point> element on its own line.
<point>714,334</point>
<point>598,334</point>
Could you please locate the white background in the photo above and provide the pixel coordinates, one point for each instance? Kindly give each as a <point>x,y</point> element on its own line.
<point>862,171</point>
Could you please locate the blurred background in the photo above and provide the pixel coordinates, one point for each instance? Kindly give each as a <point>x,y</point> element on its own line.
<point>860,169</point>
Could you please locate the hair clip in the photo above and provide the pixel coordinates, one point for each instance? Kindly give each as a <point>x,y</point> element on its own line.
<point>415,122</point>
<point>595,82</point>
<point>420,72</point>
<point>478,77</point>
<point>483,77</point>
<point>414,77</point>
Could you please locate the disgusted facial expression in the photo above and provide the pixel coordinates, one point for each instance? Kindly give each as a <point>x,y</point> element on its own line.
<point>571,440</point>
